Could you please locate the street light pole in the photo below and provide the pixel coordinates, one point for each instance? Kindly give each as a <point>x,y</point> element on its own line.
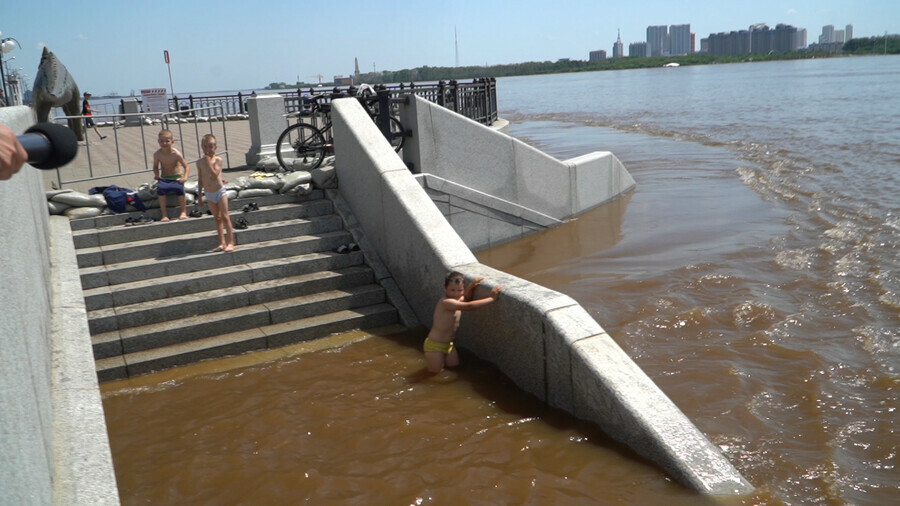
<point>6,45</point>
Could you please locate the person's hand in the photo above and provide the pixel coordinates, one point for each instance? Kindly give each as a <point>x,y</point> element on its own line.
<point>12,153</point>
<point>477,281</point>
<point>495,292</point>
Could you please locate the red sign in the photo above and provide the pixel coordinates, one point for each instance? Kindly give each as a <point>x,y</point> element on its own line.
<point>166,54</point>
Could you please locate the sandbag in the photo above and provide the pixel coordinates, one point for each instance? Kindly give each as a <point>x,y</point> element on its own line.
<point>294,179</point>
<point>57,208</point>
<point>268,163</point>
<point>255,192</point>
<point>190,187</point>
<point>83,212</point>
<point>300,189</point>
<point>78,199</point>
<point>268,183</point>
<point>324,178</point>
<point>51,193</point>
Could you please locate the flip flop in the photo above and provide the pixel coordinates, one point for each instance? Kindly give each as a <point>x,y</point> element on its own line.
<point>240,223</point>
<point>143,220</point>
<point>195,213</point>
<point>130,221</point>
<point>353,246</point>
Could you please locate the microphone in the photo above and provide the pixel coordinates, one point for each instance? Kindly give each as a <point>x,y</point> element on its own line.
<point>49,145</point>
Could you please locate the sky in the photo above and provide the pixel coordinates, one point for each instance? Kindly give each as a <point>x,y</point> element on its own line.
<point>117,45</point>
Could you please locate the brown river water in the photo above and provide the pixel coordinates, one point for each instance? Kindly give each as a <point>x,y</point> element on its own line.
<point>752,273</point>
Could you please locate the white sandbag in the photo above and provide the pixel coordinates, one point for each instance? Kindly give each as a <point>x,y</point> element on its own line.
<point>82,212</point>
<point>300,189</point>
<point>57,208</point>
<point>238,184</point>
<point>294,179</point>
<point>78,199</point>
<point>268,183</point>
<point>324,178</point>
<point>52,193</point>
<point>147,192</point>
<point>190,187</point>
<point>231,194</point>
<point>268,163</point>
<point>255,192</point>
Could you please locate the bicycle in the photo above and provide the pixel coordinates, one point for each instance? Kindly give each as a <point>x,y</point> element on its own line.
<point>309,144</point>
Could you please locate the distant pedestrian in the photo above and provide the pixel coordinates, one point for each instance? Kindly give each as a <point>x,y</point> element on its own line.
<point>209,180</point>
<point>87,111</point>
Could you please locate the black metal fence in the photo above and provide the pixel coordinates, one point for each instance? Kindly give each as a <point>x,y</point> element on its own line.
<point>476,100</point>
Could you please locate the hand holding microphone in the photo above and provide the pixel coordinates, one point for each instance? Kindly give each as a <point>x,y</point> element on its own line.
<point>12,153</point>
<point>44,146</point>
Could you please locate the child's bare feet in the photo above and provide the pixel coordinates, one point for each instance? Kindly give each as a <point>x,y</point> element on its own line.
<point>183,216</point>
<point>164,218</point>
<point>229,248</point>
<point>219,248</point>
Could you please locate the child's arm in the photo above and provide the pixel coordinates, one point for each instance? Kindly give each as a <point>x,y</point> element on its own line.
<point>187,168</point>
<point>157,164</point>
<point>199,183</point>
<point>457,305</point>
<point>467,295</point>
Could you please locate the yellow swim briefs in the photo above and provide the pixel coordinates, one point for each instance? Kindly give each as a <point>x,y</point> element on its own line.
<point>444,348</point>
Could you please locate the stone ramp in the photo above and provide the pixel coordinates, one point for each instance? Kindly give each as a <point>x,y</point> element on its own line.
<point>157,297</point>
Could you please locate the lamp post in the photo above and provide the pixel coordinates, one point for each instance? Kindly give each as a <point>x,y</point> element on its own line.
<point>6,45</point>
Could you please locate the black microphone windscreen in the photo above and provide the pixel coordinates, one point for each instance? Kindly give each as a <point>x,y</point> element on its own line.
<point>63,144</point>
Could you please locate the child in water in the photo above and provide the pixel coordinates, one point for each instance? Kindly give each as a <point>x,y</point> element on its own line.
<point>209,179</point>
<point>438,346</point>
<point>170,181</point>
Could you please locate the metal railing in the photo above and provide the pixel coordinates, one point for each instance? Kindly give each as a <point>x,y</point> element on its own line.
<point>476,100</point>
<point>170,121</point>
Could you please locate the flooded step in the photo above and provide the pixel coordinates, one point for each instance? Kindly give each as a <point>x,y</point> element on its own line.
<point>265,337</point>
<point>172,308</point>
<point>176,285</point>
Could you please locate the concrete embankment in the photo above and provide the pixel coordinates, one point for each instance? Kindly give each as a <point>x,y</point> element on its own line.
<point>541,339</point>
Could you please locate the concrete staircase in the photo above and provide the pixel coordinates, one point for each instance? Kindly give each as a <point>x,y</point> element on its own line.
<point>157,297</point>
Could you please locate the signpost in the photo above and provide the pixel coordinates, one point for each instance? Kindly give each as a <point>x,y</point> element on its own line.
<point>171,86</point>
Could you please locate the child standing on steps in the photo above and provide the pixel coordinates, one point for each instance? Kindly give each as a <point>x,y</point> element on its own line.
<point>209,179</point>
<point>438,346</point>
<point>169,181</point>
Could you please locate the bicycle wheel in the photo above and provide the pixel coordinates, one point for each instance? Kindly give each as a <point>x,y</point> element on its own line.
<point>300,147</point>
<point>397,134</point>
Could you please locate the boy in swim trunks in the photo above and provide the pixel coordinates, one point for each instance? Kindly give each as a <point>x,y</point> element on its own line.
<point>438,346</point>
<point>167,160</point>
<point>209,179</point>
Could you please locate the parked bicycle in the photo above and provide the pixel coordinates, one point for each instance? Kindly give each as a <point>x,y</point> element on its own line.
<point>303,146</point>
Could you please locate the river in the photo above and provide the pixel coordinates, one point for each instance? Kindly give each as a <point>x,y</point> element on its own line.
<point>752,273</point>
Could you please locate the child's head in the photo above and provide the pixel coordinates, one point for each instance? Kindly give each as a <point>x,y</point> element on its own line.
<point>454,284</point>
<point>165,138</point>
<point>208,143</point>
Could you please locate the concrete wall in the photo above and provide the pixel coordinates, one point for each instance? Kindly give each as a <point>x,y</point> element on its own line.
<point>457,149</point>
<point>52,430</point>
<point>543,340</point>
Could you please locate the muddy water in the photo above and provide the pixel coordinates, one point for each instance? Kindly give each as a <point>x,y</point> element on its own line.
<point>753,274</point>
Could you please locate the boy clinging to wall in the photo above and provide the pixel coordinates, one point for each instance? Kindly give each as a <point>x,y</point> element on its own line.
<point>438,346</point>
<point>169,161</point>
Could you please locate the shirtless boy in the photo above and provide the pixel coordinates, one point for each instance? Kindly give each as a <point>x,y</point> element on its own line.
<point>209,178</point>
<point>438,346</point>
<point>171,182</point>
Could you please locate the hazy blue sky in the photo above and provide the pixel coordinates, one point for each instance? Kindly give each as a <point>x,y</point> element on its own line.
<point>117,45</point>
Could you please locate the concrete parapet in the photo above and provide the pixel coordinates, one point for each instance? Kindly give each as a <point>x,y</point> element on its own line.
<point>543,340</point>
<point>52,430</point>
<point>457,149</point>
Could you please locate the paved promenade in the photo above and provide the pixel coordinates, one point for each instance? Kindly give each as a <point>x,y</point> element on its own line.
<point>125,157</point>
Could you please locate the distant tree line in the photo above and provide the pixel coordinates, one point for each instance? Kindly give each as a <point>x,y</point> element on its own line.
<point>873,45</point>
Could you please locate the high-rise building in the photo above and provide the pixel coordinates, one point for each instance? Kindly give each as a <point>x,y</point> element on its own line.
<point>596,56</point>
<point>848,33</point>
<point>618,48</point>
<point>838,36</point>
<point>680,40</point>
<point>827,36</point>
<point>800,42</point>
<point>637,50</point>
<point>658,40</point>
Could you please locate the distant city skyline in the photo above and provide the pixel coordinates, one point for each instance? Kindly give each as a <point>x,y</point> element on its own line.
<point>109,45</point>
